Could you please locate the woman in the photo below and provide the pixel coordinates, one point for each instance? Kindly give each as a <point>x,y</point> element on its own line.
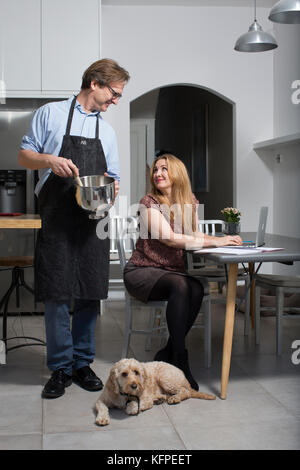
<point>155,271</point>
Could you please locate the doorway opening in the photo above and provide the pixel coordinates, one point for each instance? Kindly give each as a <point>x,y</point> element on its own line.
<point>196,125</point>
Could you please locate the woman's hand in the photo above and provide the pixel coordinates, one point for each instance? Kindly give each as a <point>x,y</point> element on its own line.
<point>229,240</point>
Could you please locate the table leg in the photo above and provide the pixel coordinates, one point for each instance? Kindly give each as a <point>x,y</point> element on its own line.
<point>228,331</point>
<point>252,294</point>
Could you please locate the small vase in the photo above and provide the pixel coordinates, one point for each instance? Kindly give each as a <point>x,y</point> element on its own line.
<point>232,228</point>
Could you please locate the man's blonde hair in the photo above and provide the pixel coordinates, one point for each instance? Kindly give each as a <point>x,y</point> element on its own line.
<point>104,72</point>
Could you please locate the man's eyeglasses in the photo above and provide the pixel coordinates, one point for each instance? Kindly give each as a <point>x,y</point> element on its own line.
<point>114,93</point>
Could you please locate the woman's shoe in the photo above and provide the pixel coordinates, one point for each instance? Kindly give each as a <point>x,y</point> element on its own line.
<point>181,361</point>
<point>164,354</point>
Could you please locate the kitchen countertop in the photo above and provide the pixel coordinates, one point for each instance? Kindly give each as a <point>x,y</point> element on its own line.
<point>21,221</point>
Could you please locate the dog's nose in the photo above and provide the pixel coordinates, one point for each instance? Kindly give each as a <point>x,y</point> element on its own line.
<point>134,386</point>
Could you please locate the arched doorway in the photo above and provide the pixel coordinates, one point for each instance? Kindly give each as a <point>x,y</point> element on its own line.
<point>196,125</point>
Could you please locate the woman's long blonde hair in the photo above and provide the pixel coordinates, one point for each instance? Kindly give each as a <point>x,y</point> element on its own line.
<point>181,191</point>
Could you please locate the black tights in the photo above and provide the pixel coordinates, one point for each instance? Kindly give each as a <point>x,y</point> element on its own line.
<point>184,295</point>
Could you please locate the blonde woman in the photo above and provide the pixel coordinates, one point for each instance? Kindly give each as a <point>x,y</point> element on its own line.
<point>155,271</point>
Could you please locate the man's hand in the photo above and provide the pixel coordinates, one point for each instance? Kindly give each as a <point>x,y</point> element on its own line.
<point>63,167</point>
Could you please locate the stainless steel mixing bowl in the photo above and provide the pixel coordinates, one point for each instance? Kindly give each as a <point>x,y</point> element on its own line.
<point>96,194</point>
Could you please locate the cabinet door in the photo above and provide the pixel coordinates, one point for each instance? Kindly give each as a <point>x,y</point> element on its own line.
<point>20,44</point>
<point>70,42</point>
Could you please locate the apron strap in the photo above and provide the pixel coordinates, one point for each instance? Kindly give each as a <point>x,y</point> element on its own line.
<point>70,116</point>
<point>97,127</point>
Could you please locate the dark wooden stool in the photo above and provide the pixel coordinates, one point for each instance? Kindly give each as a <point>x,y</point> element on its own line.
<point>16,264</point>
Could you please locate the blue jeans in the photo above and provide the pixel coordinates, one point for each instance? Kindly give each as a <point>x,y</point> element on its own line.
<point>70,349</point>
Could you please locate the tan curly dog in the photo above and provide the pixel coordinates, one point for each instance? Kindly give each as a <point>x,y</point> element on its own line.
<point>137,386</point>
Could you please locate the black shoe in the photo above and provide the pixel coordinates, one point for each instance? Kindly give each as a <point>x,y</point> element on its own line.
<point>55,387</point>
<point>164,354</point>
<point>87,379</point>
<point>181,361</point>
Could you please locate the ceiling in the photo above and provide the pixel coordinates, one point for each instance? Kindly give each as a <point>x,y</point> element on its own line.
<point>212,3</point>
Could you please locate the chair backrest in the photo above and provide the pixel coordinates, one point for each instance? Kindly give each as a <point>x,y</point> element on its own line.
<point>209,226</point>
<point>126,239</point>
<point>117,225</point>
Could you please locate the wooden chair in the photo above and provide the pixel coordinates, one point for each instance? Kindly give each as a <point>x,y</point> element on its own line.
<point>280,285</point>
<point>157,324</point>
<point>117,224</point>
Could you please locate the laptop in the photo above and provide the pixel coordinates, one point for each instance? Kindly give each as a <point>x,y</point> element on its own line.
<point>260,234</point>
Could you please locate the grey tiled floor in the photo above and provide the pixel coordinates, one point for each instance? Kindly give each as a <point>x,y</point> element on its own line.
<point>262,410</point>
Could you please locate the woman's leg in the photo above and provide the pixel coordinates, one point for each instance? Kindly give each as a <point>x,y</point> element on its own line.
<point>184,296</point>
<point>196,293</point>
<point>175,290</point>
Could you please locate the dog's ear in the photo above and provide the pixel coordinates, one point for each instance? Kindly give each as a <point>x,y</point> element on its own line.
<point>144,374</point>
<point>112,383</point>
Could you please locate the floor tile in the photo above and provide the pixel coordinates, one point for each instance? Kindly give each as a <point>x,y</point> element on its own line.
<point>22,442</point>
<point>158,437</point>
<point>21,415</point>
<point>274,434</point>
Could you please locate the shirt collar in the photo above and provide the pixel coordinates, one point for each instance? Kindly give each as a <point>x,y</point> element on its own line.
<point>79,107</point>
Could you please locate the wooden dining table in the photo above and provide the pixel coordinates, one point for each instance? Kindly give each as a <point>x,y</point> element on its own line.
<point>289,254</point>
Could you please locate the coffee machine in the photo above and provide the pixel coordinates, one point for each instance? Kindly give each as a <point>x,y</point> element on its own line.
<point>12,191</point>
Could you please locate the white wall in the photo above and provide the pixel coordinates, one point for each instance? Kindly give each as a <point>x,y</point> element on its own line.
<point>163,45</point>
<point>286,71</point>
<point>286,121</point>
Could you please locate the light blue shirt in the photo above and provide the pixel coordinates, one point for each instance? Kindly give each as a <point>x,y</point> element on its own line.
<point>48,127</point>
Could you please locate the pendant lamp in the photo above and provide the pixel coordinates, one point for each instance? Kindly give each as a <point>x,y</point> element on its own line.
<point>286,11</point>
<point>255,40</point>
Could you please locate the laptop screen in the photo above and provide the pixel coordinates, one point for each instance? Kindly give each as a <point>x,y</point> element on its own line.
<point>261,230</point>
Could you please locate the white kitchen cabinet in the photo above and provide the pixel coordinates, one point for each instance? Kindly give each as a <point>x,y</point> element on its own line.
<point>70,42</point>
<point>20,44</point>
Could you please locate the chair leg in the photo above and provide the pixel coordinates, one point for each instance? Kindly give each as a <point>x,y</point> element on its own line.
<point>151,325</point>
<point>257,314</point>
<point>5,302</point>
<point>279,312</point>
<point>17,280</point>
<point>128,328</point>
<point>102,307</point>
<point>247,308</point>
<point>23,283</point>
<point>207,331</point>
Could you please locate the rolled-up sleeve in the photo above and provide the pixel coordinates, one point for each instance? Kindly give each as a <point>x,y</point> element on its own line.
<point>36,136</point>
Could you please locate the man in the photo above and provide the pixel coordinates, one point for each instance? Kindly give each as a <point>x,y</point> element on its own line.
<point>70,138</point>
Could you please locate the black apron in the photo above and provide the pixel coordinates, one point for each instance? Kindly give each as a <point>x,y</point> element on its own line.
<point>70,260</point>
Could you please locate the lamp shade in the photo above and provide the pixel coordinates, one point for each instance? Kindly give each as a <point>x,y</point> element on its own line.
<point>255,40</point>
<point>286,11</point>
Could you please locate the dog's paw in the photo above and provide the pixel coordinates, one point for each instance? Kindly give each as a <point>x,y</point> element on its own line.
<point>132,408</point>
<point>102,421</point>
<point>159,401</point>
<point>173,400</point>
